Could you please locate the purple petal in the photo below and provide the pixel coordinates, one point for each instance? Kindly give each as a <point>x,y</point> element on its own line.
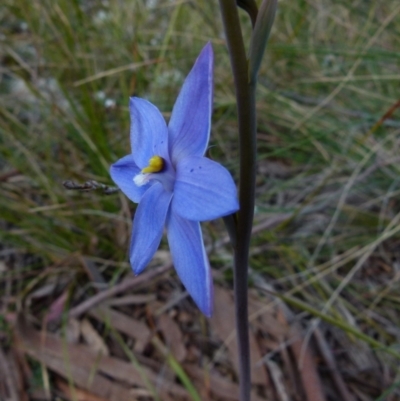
<point>122,172</point>
<point>149,133</point>
<point>189,127</point>
<point>190,260</point>
<point>148,226</point>
<point>204,190</point>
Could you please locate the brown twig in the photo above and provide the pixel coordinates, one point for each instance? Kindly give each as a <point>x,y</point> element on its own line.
<point>8,378</point>
<point>125,285</point>
<point>326,353</point>
<point>9,174</point>
<point>90,185</point>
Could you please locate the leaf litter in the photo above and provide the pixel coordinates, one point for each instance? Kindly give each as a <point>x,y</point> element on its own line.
<point>85,357</point>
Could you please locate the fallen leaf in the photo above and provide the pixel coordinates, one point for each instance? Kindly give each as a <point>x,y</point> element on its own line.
<point>219,386</point>
<point>305,365</point>
<point>76,394</point>
<point>88,371</point>
<point>223,323</point>
<point>72,331</point>
<point>266,316</point>
<point>131,327</point>
<point>173,337</point>
<point>57,308</point>
<point>93,338</point>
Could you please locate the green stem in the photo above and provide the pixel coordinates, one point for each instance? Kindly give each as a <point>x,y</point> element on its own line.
<point>245,97</point>
<point>250,6</point>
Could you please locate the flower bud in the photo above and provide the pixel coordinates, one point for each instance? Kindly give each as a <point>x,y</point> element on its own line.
<point>259,38</point>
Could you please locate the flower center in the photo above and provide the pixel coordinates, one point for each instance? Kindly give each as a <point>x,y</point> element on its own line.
<point>165,175</point>
<point>156,164</point>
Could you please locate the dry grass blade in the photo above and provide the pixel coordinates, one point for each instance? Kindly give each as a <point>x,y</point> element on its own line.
<point>333,369</point>
<point>116,70</point>
<point>277,378</point>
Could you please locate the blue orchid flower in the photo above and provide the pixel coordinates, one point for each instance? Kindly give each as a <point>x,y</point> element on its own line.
<point>175,185</point>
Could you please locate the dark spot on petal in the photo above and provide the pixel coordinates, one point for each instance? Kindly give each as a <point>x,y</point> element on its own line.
<point>191,170</point>
<point>199,167</point>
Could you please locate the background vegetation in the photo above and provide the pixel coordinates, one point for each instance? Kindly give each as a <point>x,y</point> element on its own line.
<point>327,209</point>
